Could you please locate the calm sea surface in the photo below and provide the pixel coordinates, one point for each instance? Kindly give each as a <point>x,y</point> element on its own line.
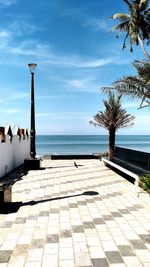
<point>87,144</point>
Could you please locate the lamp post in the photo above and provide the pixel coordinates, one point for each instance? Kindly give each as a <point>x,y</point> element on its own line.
<point>32,67</point>
<point>32,163</point>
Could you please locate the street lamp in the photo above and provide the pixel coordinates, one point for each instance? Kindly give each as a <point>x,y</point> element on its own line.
<point>32,163</point>
<point>32,67</point>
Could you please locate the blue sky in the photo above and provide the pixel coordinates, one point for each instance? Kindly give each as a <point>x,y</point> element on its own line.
<point>70,40</point>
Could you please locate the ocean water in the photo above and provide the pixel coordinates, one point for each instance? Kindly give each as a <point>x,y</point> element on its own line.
<point>87,144</point>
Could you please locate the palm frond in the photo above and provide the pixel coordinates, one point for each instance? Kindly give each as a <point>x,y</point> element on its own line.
<point>107,89</point>
<point>144,105</point>
<point>134,86</point>
<point>122,27</point>
<point>136,24</point>
<point>124,42</point>
<point>143,70</point>
<point>121,16</point>
<point>113,117</point>
<point>128,4</point>
<point>143,5</point>
<point>133,36</point>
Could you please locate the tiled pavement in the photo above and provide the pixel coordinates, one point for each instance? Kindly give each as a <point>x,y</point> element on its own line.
<point>75,216</point>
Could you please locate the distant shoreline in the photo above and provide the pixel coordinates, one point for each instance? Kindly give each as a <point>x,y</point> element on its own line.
<point>87,144</point>
<point>91,135</point>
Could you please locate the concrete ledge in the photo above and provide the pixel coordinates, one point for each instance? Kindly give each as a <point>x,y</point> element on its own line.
<point>90,156</point>
<point>120,168</point>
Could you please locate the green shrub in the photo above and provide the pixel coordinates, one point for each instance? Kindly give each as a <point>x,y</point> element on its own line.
<point>145,182</point>
<point>104,154</point>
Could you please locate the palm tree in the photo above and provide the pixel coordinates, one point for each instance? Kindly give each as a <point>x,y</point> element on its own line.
<point>135,86</point>
<point>113,118</point>
<point>136,24</point>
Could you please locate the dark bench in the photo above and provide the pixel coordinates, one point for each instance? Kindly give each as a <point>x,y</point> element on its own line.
<point>7,181</point>
<point>131,162</point>
<point>138,158</point>
<point>5,191</point>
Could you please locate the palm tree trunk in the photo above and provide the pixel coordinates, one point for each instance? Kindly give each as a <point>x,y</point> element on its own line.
<point>112,133</point>
<point>143,48</point>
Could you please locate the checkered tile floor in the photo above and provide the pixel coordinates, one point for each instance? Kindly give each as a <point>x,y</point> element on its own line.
<point>75,216</point>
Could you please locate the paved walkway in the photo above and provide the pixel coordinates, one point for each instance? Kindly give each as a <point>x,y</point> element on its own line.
<point>74,216</point>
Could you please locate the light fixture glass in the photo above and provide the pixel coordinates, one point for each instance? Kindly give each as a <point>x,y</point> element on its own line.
<point>32,67</point>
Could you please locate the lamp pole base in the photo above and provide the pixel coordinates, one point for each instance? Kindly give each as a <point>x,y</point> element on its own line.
<point>32,164</point>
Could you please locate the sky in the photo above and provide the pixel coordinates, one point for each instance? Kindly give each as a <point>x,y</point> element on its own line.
<point>76,55</point>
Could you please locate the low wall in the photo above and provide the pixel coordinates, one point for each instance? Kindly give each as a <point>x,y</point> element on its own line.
<point>135,157</point>
<point>86,156</point>
<point>13,152</point>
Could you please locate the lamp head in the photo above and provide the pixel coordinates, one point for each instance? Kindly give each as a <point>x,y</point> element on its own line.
<point>32,67</point>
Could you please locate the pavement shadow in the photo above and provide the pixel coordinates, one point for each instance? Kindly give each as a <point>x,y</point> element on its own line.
<point>13,207</point>
<point>64,166</point>
<point>14,176</point>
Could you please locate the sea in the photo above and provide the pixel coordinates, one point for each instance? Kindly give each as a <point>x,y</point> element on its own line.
<point>87,144</point>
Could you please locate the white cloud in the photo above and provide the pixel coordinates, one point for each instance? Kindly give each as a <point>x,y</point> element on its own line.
<point>30,47</point>
<point>43,114</point>
<point>10,44</point>
<point>39,97</point>
<point>87,21</point>
<point>10,111</point>
<point>86,85</point>
<point>79,84</point>
<point>56,129</point>
<point>24,27</point>
<point>19,95</point>
<point>8,95</point>
<point>92,63</point>
<point>80,62</point>
<point>142,120</point>
<point>3,35</point>
<point>34,48</point>
<point>7,2</point>
<point>97,24</point>
<point>5,38</point>
<point>139,127</point>
<point>132,104</point>
<point>73,61</point>
<point>64,116</point>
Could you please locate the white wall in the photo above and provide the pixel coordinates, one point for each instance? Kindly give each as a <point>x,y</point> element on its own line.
<point>13,153</point>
